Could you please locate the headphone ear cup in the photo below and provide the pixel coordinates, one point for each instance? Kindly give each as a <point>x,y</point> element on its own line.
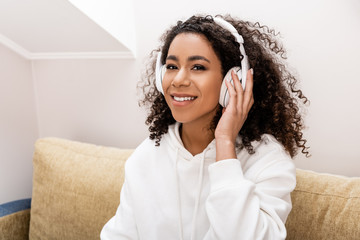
<point>160,70</point>
<point>244,69</point>
<point>224,98</point>
<point>224,92</point>
<point>159,78</point>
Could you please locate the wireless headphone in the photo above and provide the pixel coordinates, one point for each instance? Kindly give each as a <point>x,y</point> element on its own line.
<point>240,71</point>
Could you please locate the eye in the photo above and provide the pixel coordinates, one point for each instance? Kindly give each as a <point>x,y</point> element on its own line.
<point>170,67</point>
<point>198,67</point>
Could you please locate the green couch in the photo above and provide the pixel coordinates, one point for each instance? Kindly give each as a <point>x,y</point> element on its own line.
<point>76,189</point>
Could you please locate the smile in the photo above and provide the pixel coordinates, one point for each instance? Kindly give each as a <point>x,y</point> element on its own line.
<point>182,99</point>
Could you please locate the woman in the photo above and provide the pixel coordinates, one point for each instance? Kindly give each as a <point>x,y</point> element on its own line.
<point>213,169</point>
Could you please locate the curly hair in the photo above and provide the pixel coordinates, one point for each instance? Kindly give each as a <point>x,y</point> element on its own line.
<point>277,100</point>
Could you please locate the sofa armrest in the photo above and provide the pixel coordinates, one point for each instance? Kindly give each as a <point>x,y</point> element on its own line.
<point>15,219</point>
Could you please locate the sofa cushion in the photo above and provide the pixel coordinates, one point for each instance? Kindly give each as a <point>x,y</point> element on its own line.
<point>324,207</point>
<point>76,188</point>
<point>15,226</point>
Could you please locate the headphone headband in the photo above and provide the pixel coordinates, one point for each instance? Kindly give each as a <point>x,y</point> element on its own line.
<point>228,26</point>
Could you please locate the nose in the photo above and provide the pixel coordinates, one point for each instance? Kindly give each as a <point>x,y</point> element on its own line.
<point>181,79</point>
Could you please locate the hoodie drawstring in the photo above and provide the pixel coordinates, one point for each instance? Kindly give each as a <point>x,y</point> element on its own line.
<point>197,200</point>
<point>181,237</point>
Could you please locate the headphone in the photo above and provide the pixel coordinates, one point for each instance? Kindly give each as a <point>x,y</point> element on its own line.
<point>240,71</point>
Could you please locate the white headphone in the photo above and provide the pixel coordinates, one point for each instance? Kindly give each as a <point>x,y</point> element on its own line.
<point>240,71</point>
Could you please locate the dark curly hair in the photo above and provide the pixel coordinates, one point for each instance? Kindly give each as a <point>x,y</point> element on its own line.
<point>277,101</point>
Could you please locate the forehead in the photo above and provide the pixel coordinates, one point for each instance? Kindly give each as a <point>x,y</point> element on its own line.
<point>191,44</point>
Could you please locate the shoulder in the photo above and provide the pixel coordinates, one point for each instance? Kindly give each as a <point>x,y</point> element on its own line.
<point>267,144</point>
<point>146,148</point>
<point>269,160</point>
<point>146,155</point>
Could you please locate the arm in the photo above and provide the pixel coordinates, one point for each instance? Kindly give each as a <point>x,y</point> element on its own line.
<point>233,117</point>
<point>239,208</point>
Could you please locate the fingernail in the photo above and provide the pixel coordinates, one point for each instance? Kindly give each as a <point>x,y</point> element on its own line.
<point>252,71</point>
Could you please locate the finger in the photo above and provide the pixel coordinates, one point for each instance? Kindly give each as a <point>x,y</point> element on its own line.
<point>232,94</point>
<point>248,93</point>
<point>249,81</point>
<point>238,88</point>
<point>237,83</point>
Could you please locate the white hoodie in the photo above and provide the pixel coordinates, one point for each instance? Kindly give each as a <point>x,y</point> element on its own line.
<point>170,194</point>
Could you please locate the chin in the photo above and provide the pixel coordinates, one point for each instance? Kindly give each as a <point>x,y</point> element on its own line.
<point>180,119</point>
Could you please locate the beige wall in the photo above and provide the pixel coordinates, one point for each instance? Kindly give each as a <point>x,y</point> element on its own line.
<point>95,100</point>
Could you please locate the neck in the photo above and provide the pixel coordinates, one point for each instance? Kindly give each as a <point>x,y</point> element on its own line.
<point>196,138</point>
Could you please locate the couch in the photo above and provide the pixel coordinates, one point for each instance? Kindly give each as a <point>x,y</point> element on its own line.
<point>76,188</point>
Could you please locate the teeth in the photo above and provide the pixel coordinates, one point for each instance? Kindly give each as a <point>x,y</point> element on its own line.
<point>181,99</point>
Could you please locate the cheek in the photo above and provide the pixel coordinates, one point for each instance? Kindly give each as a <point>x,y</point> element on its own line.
<point>212,91</point>
<point>166,83</point>
<point>215,94</point>
<point>165,86</point>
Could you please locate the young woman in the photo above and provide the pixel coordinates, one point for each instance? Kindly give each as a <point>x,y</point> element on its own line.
<point>213,168</point>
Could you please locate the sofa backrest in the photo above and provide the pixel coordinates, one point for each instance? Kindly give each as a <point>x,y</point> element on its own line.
<point>76,190</point>
<point>324,207</point>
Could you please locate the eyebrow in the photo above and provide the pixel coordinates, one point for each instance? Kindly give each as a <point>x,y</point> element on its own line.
<point>191,58</point>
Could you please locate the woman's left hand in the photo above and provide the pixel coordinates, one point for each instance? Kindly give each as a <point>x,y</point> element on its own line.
<point>234,116</point>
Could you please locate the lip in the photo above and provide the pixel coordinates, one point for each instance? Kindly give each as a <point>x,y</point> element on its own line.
<point>181,95</point>
<point>183,103</point>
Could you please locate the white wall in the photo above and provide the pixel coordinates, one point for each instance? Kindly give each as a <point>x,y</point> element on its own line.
<point>322,38</point>
<point>95,100</point>
<point>322,41</point>
<point>90,100</point>
<point>18,126</point>
<point>326,56</point>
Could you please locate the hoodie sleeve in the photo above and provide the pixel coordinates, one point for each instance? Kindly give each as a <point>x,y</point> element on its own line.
<point>239,208</point>
<point>121,226</point>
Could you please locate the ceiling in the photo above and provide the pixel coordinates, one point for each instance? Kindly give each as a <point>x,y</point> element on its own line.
<point>43,29</point>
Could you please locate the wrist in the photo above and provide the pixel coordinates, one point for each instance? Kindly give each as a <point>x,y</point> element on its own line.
<point>225,149</point>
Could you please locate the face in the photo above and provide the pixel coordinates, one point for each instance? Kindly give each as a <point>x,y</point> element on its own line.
<point>192,79</point>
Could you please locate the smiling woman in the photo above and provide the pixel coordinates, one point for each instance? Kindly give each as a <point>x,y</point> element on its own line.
<point>192,81</point>
<point>191,87</point>
<point>210,169</point>
<point>276,109</point>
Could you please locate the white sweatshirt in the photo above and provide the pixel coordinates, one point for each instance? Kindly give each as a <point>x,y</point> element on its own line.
<point>170,194</point>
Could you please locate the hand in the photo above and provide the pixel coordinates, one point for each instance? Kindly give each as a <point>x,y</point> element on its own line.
<point>234,116</point>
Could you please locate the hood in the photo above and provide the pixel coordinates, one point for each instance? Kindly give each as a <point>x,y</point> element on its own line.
<point>175,142</point>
